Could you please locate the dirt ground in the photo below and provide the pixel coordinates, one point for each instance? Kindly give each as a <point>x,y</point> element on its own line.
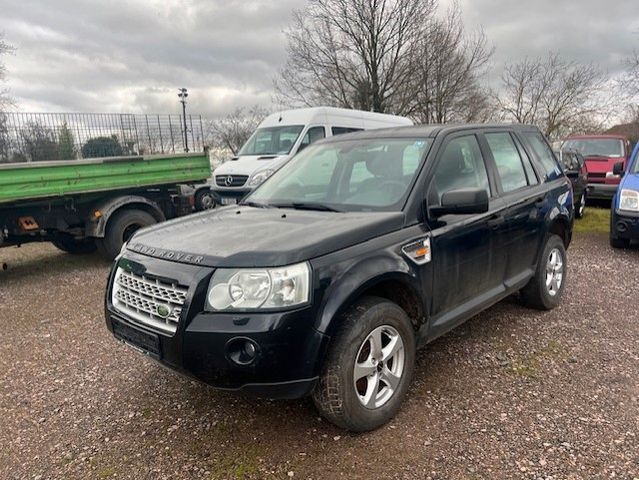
<point>513,393</point>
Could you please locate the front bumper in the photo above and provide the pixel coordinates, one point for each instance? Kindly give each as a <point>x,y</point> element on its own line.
<point>624,225</point>
<point>602,191</point>
<point>289,350</point>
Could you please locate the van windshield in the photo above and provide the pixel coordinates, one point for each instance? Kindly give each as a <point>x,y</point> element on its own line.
<point>272,140</point>
<point>596,147</point>
<point>350,175</point>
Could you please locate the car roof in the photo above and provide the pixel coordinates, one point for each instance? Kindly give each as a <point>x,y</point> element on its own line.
<point>595,137</point>
<point>426,131</point>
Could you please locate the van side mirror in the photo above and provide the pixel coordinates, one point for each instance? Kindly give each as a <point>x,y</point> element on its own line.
<point>462,202</point>
<point>618,169</point>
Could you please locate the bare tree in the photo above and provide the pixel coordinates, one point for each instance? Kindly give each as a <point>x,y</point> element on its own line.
<point>5,49</point>
<point>233,130</point>
<point>449,66</point>
<point>559,96</point>
<point>353,53</point>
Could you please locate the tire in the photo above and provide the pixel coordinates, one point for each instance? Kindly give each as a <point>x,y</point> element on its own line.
<point>204,200</point>
<point>120,227</point>
<point>69,244</point>
<point>335,395</point>
<point>580,208</point>
<point>538,293</point>
<point>619,242</point>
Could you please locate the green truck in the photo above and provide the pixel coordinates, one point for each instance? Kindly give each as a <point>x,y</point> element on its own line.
<point>84,205</point>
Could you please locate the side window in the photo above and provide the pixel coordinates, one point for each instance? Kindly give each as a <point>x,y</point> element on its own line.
<point>341,130</point>
<point>313,134</point>
<point>509,165</point>
<point>528,166</point>
<point>544,153</point>
<point>461,166</point>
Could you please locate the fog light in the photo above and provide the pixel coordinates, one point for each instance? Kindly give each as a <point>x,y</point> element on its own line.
<point>622,227</point>
<point>242,351</point>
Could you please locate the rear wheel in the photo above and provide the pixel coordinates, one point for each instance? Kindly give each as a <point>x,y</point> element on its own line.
<point>120,228</point>
<point>69,244</point>
<point>369,367</point>
<point>545,289</point>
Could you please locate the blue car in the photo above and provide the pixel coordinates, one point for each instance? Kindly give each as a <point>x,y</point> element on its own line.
<point>624,219</point>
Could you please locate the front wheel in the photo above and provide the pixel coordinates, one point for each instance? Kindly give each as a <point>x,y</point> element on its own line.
<point>580,208</point>
<point>545,289</point>
<point>369,367</point>
<point>204,200</point>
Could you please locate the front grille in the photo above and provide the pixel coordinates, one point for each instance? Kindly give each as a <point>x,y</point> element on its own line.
<point>597,177</point>
<point>235,180</point>
<point>147,300</point>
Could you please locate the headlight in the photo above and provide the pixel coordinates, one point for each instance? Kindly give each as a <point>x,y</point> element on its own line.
<point>259,177</point>
<point>259,288</point>
<point>629,200</point>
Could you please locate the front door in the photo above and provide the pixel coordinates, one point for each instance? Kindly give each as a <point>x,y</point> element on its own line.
<point>467,261</point>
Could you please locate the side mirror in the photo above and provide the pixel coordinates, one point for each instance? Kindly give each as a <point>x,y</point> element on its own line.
<point>618,169</point>
<point>462,202</point>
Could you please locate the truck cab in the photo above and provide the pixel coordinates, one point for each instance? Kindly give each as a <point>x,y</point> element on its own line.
<point>283,134</point>
<point>601,153</point>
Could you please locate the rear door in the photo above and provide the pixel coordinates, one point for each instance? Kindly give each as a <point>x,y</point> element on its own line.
<point>520,188</point>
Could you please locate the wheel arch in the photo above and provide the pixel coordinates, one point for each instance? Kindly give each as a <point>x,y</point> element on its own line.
<point>400,287</point>
<point>96,224</point>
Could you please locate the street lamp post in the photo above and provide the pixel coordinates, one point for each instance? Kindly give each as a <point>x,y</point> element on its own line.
<point>183,94</point>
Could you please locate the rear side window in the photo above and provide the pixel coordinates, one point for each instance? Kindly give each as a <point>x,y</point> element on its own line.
<point>341,130</point>
<point>509,165</point>
<point>544,153</point>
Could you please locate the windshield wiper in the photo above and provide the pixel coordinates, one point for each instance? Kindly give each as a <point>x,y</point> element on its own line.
<point>320,207</point>
<point>256,204</point>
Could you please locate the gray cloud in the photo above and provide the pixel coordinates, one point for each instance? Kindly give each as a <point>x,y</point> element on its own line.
<point>80,55</point>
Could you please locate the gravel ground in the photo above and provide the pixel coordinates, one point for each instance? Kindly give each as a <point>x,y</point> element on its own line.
<point>513,393</point>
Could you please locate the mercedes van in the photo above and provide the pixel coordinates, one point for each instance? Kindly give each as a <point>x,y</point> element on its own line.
<point>282,135</point>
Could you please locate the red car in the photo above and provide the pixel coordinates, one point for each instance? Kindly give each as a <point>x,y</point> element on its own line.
<point>601,153</point>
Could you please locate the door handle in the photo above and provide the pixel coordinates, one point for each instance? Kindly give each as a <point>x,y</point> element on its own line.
<point>495,221</point>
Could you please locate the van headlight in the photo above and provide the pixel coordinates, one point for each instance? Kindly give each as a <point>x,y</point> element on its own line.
<point>259,177</point>
<point>629,200</point>
<point>234,289</point>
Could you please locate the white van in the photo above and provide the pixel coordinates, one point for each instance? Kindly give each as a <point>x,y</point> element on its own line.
<point>282,135</point>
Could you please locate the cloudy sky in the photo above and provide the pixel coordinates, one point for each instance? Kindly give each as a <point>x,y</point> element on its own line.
<point>131,55</point>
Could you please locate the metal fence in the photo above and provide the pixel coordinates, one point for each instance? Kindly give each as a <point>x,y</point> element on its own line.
<point>32,137</point>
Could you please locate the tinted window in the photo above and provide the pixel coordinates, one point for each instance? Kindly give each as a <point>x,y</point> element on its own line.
<point>312,135</point>
<point>509,165</point>
<point>544,153</point>
<point>341,130</point>
<point>460,166</point>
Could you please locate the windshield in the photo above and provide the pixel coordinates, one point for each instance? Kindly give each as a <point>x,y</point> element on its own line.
<point>272,140</point>
<point>351,175</point>
<point>592,147</point>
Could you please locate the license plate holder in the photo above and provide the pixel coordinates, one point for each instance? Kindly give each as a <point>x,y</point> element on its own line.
<point>144,342</point>
<point>228,201</point>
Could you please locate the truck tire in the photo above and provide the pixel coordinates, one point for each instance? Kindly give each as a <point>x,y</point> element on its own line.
<point>120,227</point>
<point>204,200</point>
<point>69,244</point>
<point>544,290</point>
<point>357,391</point>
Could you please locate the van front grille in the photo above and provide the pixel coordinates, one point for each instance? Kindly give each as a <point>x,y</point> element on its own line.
<point>149,301</point>
<point>230,180</point>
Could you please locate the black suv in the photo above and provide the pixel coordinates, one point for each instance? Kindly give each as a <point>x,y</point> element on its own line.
<point>361,249</point>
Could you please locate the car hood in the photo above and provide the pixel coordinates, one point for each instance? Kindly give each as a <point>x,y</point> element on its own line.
<point>597,164</point>
<point>249,164</point>
<point>260,237</point>
<point>631,180</point>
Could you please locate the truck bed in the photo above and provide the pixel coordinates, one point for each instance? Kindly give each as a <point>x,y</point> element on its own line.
<point>27,181</point>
